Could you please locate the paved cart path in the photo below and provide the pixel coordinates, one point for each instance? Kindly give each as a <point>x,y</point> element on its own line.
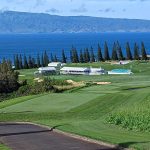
<point>32,137</point>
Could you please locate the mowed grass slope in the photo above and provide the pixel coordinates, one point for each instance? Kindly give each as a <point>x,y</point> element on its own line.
<point>51,103</point>
<point>85,111</point>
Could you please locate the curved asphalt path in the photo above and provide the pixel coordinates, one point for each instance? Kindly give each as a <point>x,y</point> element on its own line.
<point>19,136</point>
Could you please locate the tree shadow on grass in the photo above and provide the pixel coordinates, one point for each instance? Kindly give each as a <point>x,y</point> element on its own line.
<point>128,144</point>
<point>17,112</point>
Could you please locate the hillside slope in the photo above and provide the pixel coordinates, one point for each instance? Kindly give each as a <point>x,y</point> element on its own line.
<point>20,22</point>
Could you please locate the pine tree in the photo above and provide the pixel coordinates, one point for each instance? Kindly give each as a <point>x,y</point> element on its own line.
<point>92,55</point>
<point>55,59</point>
<point>75,57</point>
<point>87,55</point>
<point>52,58</point>
<point>46,59</point>
<point>81,57</point>
<point>42,61</point>
<point>25,62</point>
<point>128,51</point>
<point>33,63</point>
<point>20,62</point>
<point>99,54</point>
<point>136,52</point>
<point>106,52</point>
<point>71,54</point>
<point>38,61</point>
<point>8,77</point>
<point>84,56</point>
<point>63,57</point>
<point>114,53</point>
<point>143,52</point>
<point>119,50</point>
<point>30,62</point>
<point>17,62</point>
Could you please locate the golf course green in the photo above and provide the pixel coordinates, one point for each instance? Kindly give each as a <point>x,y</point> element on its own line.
<point>116,113</point>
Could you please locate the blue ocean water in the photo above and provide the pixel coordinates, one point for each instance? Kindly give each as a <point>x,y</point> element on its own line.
<point>32,44</point>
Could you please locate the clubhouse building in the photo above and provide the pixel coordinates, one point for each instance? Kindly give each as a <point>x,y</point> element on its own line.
<point>82,71</point>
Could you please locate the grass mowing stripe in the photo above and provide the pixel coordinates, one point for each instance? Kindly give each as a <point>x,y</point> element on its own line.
<point>51,103</point>
<point>15,101</point>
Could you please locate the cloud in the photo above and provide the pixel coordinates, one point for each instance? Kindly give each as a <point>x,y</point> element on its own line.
<point>81,9</point>
<point>124,10</point>
<point>52,10</point>
<point>106,10</point>
<point>4,9</point>
<point>40,2</point>
<point>98,8</point>
<point>138,0</point>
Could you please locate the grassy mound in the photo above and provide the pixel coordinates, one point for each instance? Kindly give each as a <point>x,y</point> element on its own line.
<point>136,116</point>
<point>138,119</point>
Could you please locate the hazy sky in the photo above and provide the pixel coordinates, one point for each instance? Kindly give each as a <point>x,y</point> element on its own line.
<point>138,9</point>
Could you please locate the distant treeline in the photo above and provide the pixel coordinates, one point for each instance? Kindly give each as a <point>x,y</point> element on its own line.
<point>84,56</point>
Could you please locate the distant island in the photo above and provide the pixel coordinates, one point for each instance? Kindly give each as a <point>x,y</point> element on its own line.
<point>23,22</point>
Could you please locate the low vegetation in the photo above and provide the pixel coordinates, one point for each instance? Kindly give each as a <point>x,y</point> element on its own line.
<point>12,87</point>
<point>136,115</point>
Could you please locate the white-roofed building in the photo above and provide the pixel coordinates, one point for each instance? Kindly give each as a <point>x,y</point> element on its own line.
<point>47,70</point>
<point>75,70</point>
<point>97,71</point>
<point>82,71</point>
<point>57,65</point>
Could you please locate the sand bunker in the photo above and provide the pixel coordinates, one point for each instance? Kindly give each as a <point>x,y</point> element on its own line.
<point>102,83</point>
<point>76,83</point>
<point>83,83</point>
<point>21,75</point>
<point>38,80</point>
<point>41,80</point>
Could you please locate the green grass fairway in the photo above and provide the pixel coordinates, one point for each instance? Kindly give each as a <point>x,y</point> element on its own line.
<point>51,103</point>
<point>85,111</point>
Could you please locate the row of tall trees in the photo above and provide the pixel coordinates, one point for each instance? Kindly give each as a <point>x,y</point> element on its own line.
<point>30,62</point>
<point>84,56</point>
<point>117,54</point>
